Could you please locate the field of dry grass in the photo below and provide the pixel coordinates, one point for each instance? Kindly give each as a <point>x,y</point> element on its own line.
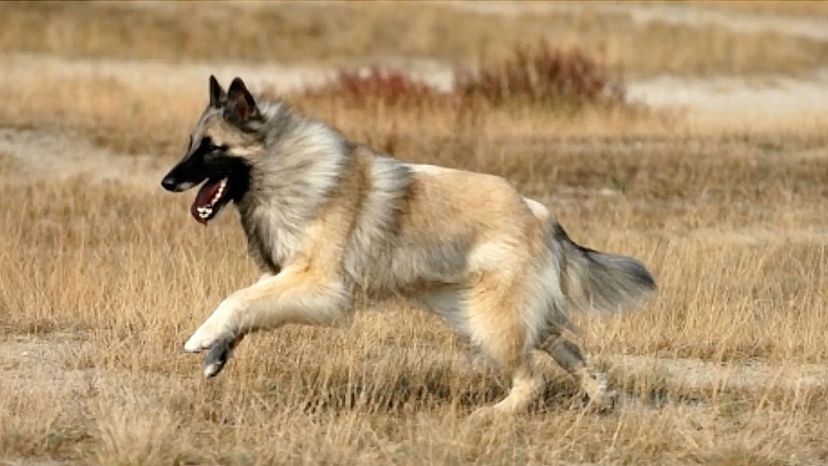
<point>103,275</point>
<point>344,32</point>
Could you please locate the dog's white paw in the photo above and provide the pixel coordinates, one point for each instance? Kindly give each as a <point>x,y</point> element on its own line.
<point>205,338</point>
<point>217,327</point>
<point>195,343</point>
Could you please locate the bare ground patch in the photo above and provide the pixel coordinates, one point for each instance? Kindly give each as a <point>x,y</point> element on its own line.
<point>38,153</point>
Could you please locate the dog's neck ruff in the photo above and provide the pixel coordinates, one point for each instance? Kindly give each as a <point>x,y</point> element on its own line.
<point>301,164</point>
<point>303,160</point>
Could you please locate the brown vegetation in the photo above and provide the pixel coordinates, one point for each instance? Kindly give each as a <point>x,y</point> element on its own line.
<point>102,281</point>
<point>375,86</point>
<point>342,32</point>
<point>536,77</point>
<point>730,227</point>
<point>542,75</point>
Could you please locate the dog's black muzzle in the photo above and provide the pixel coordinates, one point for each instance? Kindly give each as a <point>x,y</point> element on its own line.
<point>185,175</point>
<point>171,184</point>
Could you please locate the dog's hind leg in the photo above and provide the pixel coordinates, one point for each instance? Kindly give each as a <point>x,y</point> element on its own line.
<point>497,326</point>
<point>526,384</point>
<point>570,358</point>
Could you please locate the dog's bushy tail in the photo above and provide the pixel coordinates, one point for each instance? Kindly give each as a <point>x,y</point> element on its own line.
<point>600,282</point>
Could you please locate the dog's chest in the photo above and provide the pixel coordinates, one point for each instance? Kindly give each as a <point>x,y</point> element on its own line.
<point>261,252</point>
<point>271,241</point>
<point>263,241</point>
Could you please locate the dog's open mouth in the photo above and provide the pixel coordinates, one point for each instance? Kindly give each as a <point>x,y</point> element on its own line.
<point>211,197</point>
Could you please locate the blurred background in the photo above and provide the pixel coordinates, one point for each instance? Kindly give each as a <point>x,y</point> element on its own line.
<point>690,134</point>
<point>731,64</point>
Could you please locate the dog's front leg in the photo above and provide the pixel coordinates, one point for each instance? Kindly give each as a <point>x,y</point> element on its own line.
<point>219,354</point>
<point>294,296</point>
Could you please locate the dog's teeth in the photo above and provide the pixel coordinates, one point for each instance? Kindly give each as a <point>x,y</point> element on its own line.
<point>220,192</point>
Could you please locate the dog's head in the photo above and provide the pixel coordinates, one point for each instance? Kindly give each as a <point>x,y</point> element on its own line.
<point>220,151</point>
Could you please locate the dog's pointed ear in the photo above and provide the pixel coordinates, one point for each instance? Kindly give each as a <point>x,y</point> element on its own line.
<point>241,107</point>
<point>217,95</point>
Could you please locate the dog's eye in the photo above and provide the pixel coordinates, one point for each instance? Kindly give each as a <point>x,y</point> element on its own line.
<point>212,148</point>
<point>208,145</point>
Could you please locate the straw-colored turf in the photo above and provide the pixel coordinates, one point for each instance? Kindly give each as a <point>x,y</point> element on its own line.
<point>342,32</point>
<point>102,280</point>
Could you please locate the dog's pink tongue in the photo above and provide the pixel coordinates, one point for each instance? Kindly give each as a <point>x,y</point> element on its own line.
<point>204,200</point>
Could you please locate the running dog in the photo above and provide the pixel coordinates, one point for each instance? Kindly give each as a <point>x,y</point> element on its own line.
<point>329,220</point>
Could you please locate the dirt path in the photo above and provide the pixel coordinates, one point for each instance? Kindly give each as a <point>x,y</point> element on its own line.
<point>698,374</point>
<point>48,364</point>
<point>815,28</point>
<point>48,154</point>
<point>40,363</point>
<point>142,73</point>
<point>772,98</point>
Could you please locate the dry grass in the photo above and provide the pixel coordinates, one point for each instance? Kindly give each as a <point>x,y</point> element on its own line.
<point>733,228</point>
<point>107,111</point>
<point>139,118</point>
<point>102,281</point>
<point>290,32</point>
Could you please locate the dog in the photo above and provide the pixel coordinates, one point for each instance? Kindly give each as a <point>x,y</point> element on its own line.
<point>329,220</point>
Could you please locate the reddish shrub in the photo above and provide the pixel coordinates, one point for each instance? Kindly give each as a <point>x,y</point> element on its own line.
<point>539,75</point>
<point>543,75</point>
<point>390,87</point>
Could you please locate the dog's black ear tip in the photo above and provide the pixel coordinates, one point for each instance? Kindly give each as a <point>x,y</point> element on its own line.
<point>217,94</point>
<point>237,83</point>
